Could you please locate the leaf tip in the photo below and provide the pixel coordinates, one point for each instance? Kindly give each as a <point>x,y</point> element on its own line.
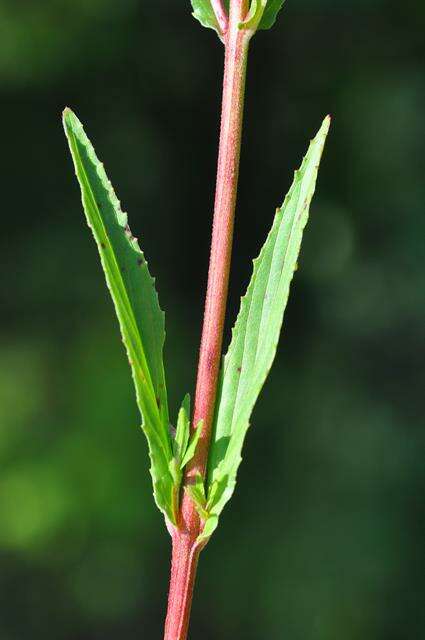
<point>326,124</point>
<point>70,120</point>
<point>67,114</point>
<point>322,134</point>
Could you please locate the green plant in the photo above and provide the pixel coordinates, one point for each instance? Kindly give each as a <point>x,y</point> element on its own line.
<point>194,469</point>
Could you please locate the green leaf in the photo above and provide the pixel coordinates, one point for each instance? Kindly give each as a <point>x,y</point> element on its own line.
<point>270,13</point>
<point>254,14</point>
<point>184,446</point>
<point>262,14</point>
<point>183,428</point>
<point>136,304</point>
<point>196,491</point>
<point>204,12</point>
<point>190,451</point>
<point>256,332</point>
<point>210,525</point>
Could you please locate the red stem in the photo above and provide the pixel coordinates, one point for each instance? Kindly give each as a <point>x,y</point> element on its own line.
<point>185,548</point>
<point>184,561</point>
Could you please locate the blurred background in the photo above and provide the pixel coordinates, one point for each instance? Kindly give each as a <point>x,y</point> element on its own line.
<point>323,537</point>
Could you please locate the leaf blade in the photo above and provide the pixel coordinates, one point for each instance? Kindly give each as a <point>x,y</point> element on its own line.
<point>135,300</point>
<point>192,445</point>
<point>183,429</point>
<point>256,332</point>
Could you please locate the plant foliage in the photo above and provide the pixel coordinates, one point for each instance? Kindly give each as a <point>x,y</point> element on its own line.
<point>261,15</point>
<point>140,318</point>
<point>204,13</point>
<point>255,337</point>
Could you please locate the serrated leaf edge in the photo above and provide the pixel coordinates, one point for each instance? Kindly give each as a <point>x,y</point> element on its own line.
<point>217,475</point>
<point>73,125</point>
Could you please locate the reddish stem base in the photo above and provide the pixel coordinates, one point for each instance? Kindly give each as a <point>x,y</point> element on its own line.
<point>184,562</point>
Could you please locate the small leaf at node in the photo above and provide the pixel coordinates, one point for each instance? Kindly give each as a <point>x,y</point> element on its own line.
<point>191,449</point>
<point>203,12</point>
<point>183,427</point>
<point>196,491</point>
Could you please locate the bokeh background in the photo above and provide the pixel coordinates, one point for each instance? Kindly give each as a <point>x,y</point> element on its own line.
<point>323,537</point>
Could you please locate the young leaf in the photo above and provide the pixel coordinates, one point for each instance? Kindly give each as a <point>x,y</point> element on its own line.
<point>204,12</point>
<point>270,13</point>
<point>256,333</point>
<point>183,429</point>
<point>136,304</point>
<point>253,17</point>
<point>190,451</point>
<point>262,14</point>
<point>197,492</point>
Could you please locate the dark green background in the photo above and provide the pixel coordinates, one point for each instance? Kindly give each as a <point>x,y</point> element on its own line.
<point>323,537</point>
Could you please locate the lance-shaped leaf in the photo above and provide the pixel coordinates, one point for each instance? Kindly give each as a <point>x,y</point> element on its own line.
<point>183,430</point>
<point>256,333</point>
<point>184,444</point>
<point>136,303</point>
<point>193,443</point>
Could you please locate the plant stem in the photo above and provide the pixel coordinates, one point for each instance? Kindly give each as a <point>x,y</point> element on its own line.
<point>236,53</point>
<point>186,550</point>
<point>184,562</point>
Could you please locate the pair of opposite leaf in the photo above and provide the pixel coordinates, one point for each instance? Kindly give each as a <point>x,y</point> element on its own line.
<point>254,337</point>
<point>261,15</point>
